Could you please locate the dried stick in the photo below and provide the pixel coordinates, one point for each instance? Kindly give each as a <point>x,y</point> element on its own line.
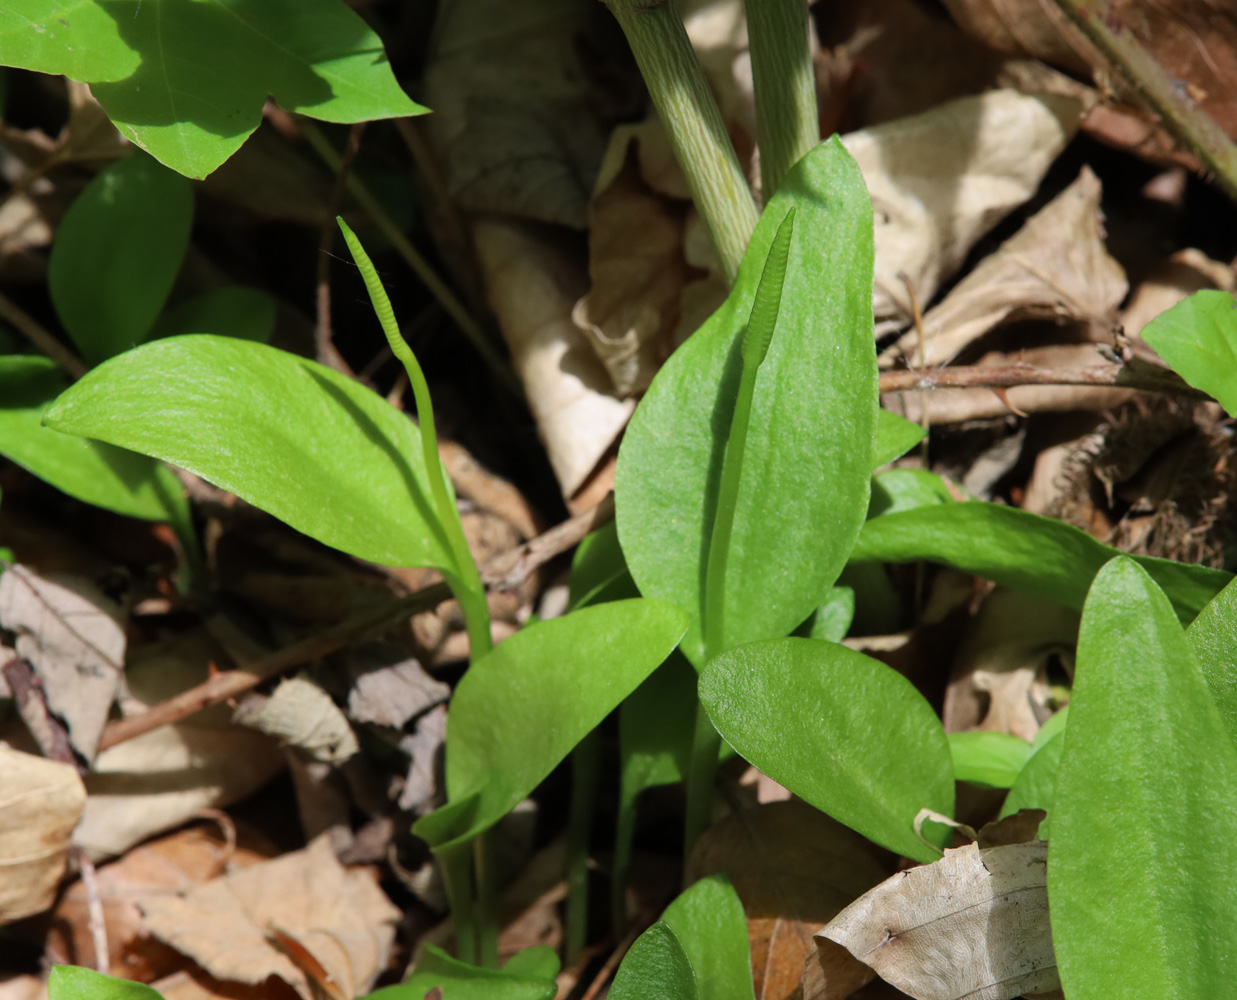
<point>1136,376</point>
<point>510,569</point>
<point>94,907</point>
<point>41,338</point>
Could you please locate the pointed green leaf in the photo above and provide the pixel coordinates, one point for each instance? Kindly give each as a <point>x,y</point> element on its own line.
<point>895,436</point>
<point>539,961</point>
<point>293,437</point>
<point>988,758</point>
<point>709,922</point>
<point>231,311</point>
<point>656,968</point>
<point>93,472</point>
<point>1036,786</point>
<point>70,982</point>
<point>1198,339</point>
<point>117,253</point>
<point>1213,637</point>
<point>521,708</point>
<point>1143,843</point>
<point>77,38</point>
<point>460,981</point>
<point>897,490</point>
<point>1014,548</point>
<point>599,571</point>
<point>842,731</point>
<point>808,461</point>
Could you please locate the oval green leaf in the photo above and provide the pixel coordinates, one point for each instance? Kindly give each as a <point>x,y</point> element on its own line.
<point>988,758</point>
<point>521,708</point>
<point>1143,846</point>
<point>71,982</point>
<point>117,253</point>
<point>291,436</point>
<point>655,967</point>
<point>1036,786</point>
<point>461,981</point>
<point>842,731</point>
<point>93,472</point>
<point>1198,339</point>
<point>804,487</point>
<point>1213,637</point>
<point>1015,548</point>
<point>709,921</point>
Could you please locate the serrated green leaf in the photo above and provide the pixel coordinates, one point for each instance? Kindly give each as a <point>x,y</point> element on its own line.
<point>842,731</point>
<point>988,758</point>
<point>1198,339</point>
<point>231,311</point>
<point>293,437</point>
<point>1213,637</point>
<point>117,253</point>
<point>1145,811</point>
<point>808,463</point>
<point>656,966</point>
<point>1014,548</point>
<point>96,473</point>
<point>709,921</point>
<point>71,982</point>
<point>460,981</point>
<point>522,707</point>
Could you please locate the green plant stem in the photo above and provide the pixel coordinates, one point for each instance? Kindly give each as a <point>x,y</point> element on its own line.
<point>691,117</point>
<point>487,899</point>
<point>438,288</point>
<point>457,872</point>
<point>1189,124</point>
<point>585,769</point>
<point>624,835</point>
<point>787,119</point>
<point>701,773</point>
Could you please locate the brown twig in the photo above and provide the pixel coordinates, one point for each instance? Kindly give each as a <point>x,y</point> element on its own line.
<point>510,569</point>
<point>42,338</point>
<point>49,732</point>
<point>94,908</point>
<point>1132,376</point>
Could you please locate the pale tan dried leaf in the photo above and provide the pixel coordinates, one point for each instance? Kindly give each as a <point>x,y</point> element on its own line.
<point>973,925</point>
<point>301,714</point>
<point>22,987</point>
<point>340,916</point>
<point>159,780</point>
<point>74,637</point>
<point>392,694</point>
<point>1185,272</point>
<point>40,803</point>
<point>1055,267</point>
<point>533,280</point>
<point>194,984</point>
<point>942,179</point>
<point>423,746</point>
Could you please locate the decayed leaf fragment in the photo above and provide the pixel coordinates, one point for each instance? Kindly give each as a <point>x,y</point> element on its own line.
<point>40,802</point>
<point>74,637</point>
<point>973,925</point>
<point>340,917</point>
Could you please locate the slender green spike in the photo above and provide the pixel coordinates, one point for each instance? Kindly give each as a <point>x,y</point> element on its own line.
<point>768,300</point>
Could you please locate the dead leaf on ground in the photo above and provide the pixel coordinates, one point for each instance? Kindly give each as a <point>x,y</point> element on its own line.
<point>339,916</point>
<point>793,868</point>
<point>973,925</point>
<point>195,984</point>
<point>299,713</point>
<point>1055,267</point>
<point>423,745</point>
<point>391,687</point>
<point>40,803</point>
<point>1185,272</point>
<point>74,636</point>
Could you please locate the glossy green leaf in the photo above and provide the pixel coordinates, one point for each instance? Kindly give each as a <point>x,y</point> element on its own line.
<point>537,962</point>
<point>988,758</point>
<point>905,489</point>
<point>895,436</point>
<point>71,982</point>
<point>1014,548</point>
<point>832,620</point>
<point>231,311</point>
<point>522,707</point>
<point>293,437</point>
<point>1213,637</point>
<point>808,463</point>
<point>709,921</point>
<point>1198,339</point>
<point>599,571</point>
<point>96,473</point>
<point>460,981</point>
<point>78,38</point>
<point>117,253</point>
<point>1036,787</point>
<point>656,968</point>
<point>1143,827</point>
<point>842,731</point>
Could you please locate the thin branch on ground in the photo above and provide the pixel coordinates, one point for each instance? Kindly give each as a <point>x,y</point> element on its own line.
<point>1147,378</point>
<point>41,338</point>
<point>94,907</point>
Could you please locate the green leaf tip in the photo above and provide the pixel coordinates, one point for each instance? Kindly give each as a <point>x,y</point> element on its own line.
<point>768,301</point>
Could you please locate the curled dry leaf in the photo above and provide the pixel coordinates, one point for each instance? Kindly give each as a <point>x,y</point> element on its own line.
<point>340,917</point>
<point>1185,272</point>
<point>40,803</point>
<point>973,925</point>
<point>390,693</point>
<point>74,636</point>
<point>1055,267</point>
<point>300,713</point>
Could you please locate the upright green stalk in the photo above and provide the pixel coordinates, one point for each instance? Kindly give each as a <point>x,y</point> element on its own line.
<point>691,117</point>
<point>585,770</point>
<point>787,120</point>
<point>756,340</point>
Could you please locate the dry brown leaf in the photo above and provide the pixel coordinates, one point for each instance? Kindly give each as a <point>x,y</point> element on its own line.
<point>973,925</point>
<point>390,693</point>
<point>22,988</point>
<point>793,868</point>
<point>1185,272</point>
<point>340,917</point>
<point>194,984</point>
<point>74,636</point>
<point>423,745</point>
<point>40,803</point>
<point>301,714</point>
<point>833,973</point>
<point>1055,267</point>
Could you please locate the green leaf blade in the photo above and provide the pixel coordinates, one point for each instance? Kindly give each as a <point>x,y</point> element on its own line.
<point>77,39</point>
<point>656,966</point>
<point>709,921</point>
<point>1213,637</point>
<point>71,982</point>
<point>1198,339</point>
<point>1144,814</point>
<point>988,758</point>
<point>290,436</point>
<point>842,731</point>
<point>461,981</point>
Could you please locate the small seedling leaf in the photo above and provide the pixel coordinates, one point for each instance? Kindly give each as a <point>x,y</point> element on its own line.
<point>1198,339</point>
<point>293,437</point>
<point>460,981</point>
<point>1145,808</point>
<point>656,966</point>
<point>71,982</point>
<point>988,758</point>
<point>709,922</point>
<point>842,731</point>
